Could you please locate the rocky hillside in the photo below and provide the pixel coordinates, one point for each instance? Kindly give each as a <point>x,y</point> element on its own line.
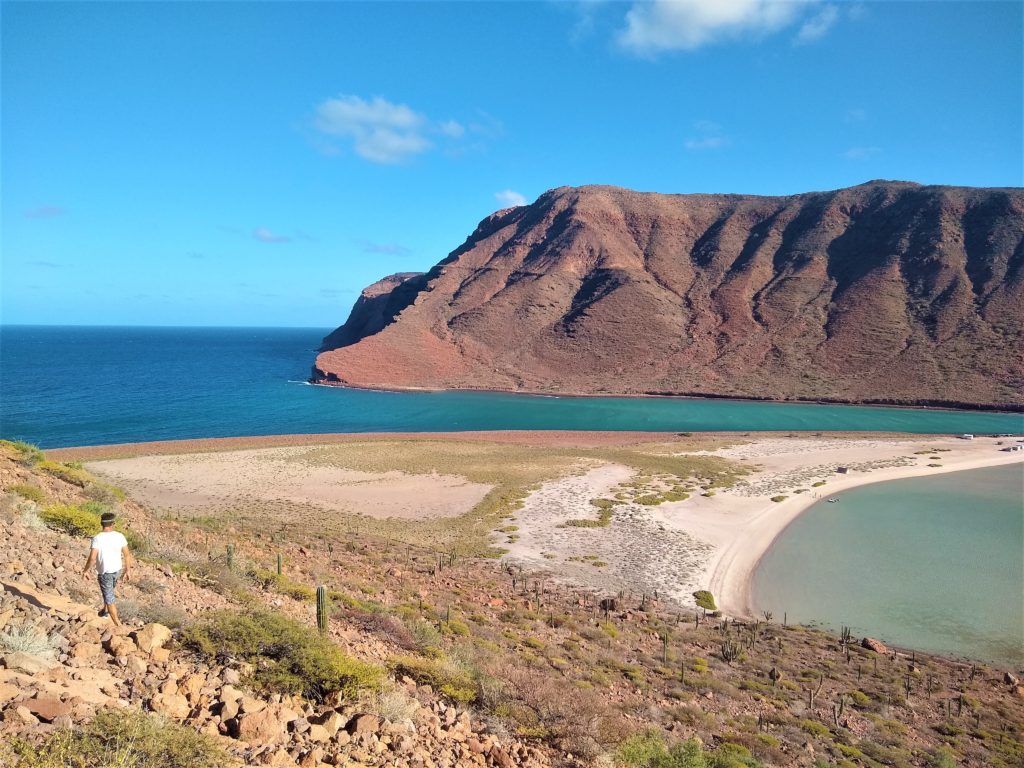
<point>428,660</point>
<point>884,292</point>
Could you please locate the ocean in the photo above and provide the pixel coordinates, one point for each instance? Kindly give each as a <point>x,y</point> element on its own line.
<point>934,564</point>
<point>68,386</point>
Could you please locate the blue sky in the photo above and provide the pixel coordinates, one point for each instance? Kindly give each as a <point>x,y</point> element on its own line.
<point>258,164</point>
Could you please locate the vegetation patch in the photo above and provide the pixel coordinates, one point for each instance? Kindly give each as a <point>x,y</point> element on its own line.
<point>69,473</point>
<point>122,739</point>
<point>29,492</point>
<point>286,656</point>
<point>443,675</point>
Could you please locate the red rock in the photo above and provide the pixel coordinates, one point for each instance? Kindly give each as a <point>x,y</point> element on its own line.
<point>874,645</point>
<point>47,708</point>
<point>605,290</point>
<point>363,724</point>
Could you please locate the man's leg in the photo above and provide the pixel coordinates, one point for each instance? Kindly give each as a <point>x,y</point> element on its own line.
<point>112,611</point>
<point>107,583</point>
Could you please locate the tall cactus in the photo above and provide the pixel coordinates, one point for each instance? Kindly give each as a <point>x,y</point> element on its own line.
<point>231,556</point>
<point>278,563</point>
<point>321,609</point>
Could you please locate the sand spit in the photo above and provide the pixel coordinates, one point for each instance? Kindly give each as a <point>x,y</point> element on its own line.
<point>196,482</point>
<point>715,542</point>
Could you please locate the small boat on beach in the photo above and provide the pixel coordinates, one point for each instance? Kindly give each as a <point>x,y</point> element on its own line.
<point>833,500</point>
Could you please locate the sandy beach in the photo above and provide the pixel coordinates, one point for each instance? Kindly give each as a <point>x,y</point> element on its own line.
<point>712,539</point>
<point>715,542</point>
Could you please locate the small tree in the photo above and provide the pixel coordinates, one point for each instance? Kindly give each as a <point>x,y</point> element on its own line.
<point>705,600</point>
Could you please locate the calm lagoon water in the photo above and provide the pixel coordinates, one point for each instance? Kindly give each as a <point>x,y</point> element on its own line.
<point>927,563</point>
<point>86,386</point>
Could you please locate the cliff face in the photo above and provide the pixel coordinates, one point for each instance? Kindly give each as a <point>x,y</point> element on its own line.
<point>887,291</point>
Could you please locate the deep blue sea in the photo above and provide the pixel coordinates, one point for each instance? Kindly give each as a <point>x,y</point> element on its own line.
<point>66,386</point>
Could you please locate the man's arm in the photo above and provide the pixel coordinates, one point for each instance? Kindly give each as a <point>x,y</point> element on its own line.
<point>91,562</point>
<point>126,559</point>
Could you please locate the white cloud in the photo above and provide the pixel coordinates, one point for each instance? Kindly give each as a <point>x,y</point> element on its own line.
<point>451,128</point>
<point>816,26</point>
<point>381,132</point>
<point>674,25</point>
<point>861,153</point>
<point>509,198</point>
<point>264,235</point>
<point>709,136</point>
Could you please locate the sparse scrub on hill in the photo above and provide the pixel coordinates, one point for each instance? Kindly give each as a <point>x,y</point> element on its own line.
<point>84,520</point>
<point>27,454</point>
<point>124,738</point>
<point>649,750</point>
<point>286,656</point>
<point>29,492</point>
<point>69,473</point>
<point>451,677</point>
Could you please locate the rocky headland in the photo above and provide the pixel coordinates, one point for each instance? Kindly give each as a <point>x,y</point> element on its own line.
<point>887,292</point>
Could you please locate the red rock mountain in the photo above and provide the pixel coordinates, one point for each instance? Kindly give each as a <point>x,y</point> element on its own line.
<point>883,292</point>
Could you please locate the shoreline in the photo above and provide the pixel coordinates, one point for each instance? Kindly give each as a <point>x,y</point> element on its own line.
<point>1007,409</point>
<point>731,571</point>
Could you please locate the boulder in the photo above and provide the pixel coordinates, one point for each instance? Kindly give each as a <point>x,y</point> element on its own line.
<point>8,692</point>
<point>172,705</point>
<point>874,645</point>
<point>86,651</point>
<point>151,637</point>
<point>1011,679</point>
<point>26,662</point>
<point>263,727</point>
<point>363,724</point>
<point>47,708</point>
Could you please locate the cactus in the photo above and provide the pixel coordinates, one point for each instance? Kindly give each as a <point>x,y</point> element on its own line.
<point>813,691</point>
<point>321,609</point>
<point>730,651</point>
<point>278,563</point>
<point>231,556</point>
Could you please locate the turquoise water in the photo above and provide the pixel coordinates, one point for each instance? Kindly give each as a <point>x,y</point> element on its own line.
<point>935,564</point>
<point>86,386</point>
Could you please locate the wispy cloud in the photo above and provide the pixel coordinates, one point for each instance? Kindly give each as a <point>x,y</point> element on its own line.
<point>509,198</point>
<point>686,25</point>
<point>708,135</point>
<point>45,212</point>
<point>816,26</point>
<point>379,130</point>
<point>264,235</point>
<point>861,153</point>
<point>387,249</point>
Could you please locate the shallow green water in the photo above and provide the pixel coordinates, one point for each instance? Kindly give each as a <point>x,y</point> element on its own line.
<point>934,564</point>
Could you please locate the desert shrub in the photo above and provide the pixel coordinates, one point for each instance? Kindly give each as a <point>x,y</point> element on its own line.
<point>943,757</point>
<point>816,729</point>
<point>536,703</point>
<point>283,585</point>
<point>426,639</point>
<point>383,625</point>
<point>104,493</point>
<point>125,739</point>
<point>26,638</point>
<point>286,656</point>
<point>66,472</point>
<point>71,519</point>
<point>705,600</point>
<point>29,492</point>
<point>778,499</point>
<point>27,453</point>
<point>169,615</point>
<point>649,750</point>
<point>444,675</point>
<point>391,703</point>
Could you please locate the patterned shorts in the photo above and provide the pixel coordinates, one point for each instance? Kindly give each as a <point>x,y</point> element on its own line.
<point>107,583</point>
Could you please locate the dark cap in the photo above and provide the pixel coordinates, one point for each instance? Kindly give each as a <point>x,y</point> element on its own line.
<point>107,518</point>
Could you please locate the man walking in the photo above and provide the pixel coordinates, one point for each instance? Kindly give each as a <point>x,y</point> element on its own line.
<point>110,555</point>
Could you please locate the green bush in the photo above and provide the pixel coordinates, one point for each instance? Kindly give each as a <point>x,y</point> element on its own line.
<point>285,586</point>
<point>443,675</point>
<point>648,750</point>
<point>71,519</point>
<point>67,473</point>
<point>778,499</point>
<point>30,492</point>
<point>27,453</point>
<point>125,739</point>
<point>705,600</point>
<point>287,657</point>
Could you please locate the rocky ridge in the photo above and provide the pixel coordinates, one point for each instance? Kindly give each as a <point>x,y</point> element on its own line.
<point>887,292</point>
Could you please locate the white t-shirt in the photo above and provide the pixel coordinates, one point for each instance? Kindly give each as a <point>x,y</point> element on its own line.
<point>108,546</point>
